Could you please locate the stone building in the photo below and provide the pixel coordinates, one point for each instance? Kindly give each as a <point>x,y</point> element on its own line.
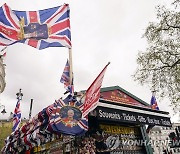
<point>161,141</point>
<point>2,75</point>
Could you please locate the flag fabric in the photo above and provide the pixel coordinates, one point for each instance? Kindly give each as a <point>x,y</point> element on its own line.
<point>9,26</point>
<point>31,134</point>
<point>93,93</point>
<point>154,104</point>
<point>16,116</point>
<point>67,117</point>
<point>46,28</point>
<point>39,29</point>
<point>65,79</point>
<point>51,120</point>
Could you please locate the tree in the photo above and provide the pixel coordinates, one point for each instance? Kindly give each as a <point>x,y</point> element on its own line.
<point>159,65</point>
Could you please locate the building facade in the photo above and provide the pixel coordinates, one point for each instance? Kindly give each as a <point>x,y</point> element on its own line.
<point>162,141</point>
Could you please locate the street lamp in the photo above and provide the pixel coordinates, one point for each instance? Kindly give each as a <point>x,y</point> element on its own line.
<point>3,111</point>
<point>19,94</point>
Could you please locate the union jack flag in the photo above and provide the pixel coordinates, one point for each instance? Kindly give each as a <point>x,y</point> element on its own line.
<point>154,104</point>
<point>65,79</point>
<point>39,29</point>
<point>16,116</point>
<point>9,26</point>
<point>59,118</point>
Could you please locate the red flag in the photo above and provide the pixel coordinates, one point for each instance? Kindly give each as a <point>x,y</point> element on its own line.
<point>93,93</point>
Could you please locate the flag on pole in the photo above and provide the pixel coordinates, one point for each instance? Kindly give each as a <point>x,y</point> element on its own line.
<point>154,104</point>
<point>65,79</point>
<point>39,29</point>
<point>16,116</point>
<point>45,28</point>
<point>9,26</point>
<point>93,93</point>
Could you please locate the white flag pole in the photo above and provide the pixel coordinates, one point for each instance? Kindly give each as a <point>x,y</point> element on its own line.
<point>70,65</point>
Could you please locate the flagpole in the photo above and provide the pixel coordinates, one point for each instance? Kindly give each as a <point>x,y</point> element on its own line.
<point>70,65</point>
<point>30,110</point>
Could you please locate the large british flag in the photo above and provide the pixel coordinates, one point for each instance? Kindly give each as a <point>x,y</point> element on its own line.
<point>9,26</point>
<point>39,29</point>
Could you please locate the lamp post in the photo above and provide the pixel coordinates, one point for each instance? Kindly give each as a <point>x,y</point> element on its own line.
<point>19,94</point>
<point>3,111</point>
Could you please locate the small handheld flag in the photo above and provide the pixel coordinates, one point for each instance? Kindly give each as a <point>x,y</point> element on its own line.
<point>9,26</point>
<point>154,104</point>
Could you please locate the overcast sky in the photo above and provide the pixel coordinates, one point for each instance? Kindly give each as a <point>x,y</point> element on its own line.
<point>102,31</point>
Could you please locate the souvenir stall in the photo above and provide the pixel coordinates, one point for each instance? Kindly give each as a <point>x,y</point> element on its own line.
<point>121,117</point>
<point>117,125</point>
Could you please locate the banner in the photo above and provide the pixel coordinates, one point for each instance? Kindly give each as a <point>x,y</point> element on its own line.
<point>93,93</point>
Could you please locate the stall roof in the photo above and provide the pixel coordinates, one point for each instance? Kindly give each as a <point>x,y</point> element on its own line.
<point>113,88</point>
<point>117,104</point>
<point>118,95</point>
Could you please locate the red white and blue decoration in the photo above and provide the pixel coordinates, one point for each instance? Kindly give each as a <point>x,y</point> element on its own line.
<point>65,79</point>
<point>39,29</point>
<point>17,113</point>
<point>67,117</point>
<point>154,104</point>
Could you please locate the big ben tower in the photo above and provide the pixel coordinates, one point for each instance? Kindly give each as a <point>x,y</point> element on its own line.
<point>2,75</point>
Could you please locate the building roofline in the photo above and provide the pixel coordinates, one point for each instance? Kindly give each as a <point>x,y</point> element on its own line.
<point>104,89</point>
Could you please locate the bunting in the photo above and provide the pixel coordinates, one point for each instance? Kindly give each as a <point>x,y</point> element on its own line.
<point>16,116</point>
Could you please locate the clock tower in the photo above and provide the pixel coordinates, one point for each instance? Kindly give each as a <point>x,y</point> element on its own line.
<point>2,75</point>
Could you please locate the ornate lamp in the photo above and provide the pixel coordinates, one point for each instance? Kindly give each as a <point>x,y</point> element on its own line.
<point>3,111</point>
